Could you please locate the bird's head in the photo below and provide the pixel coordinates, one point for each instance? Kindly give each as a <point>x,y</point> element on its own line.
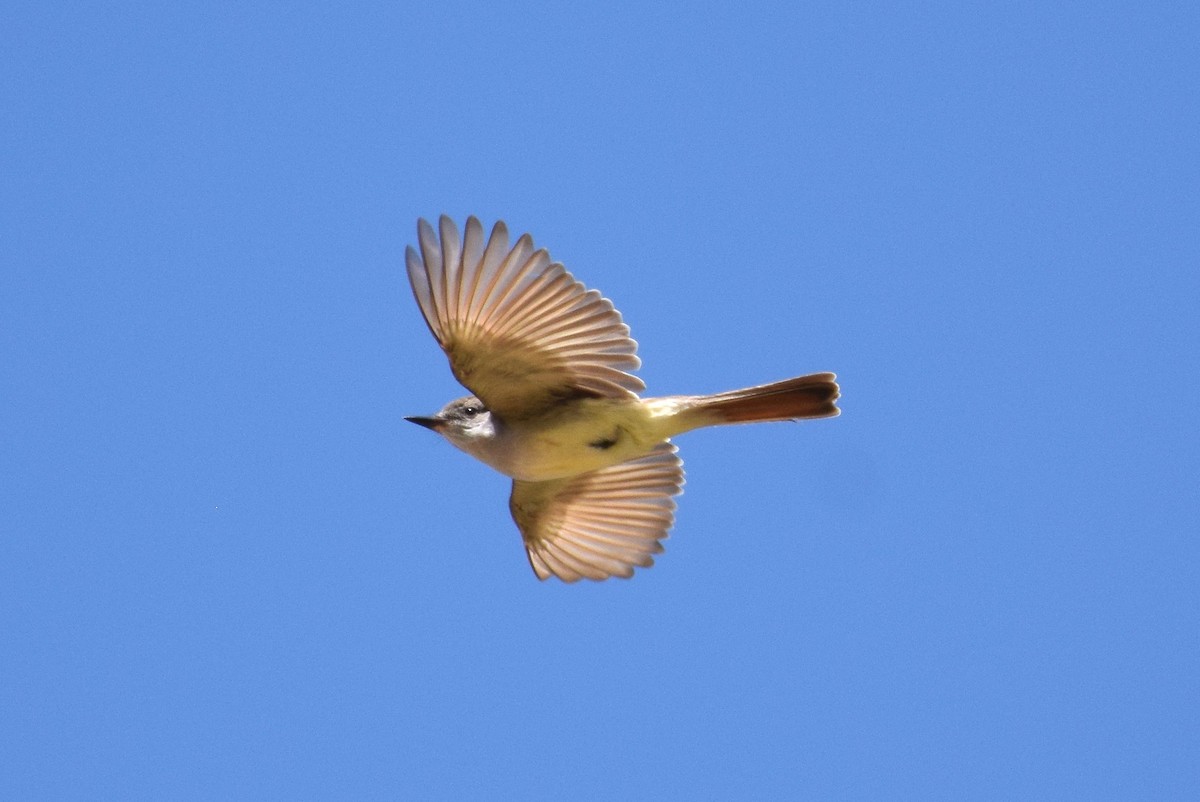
<point>464,422</point>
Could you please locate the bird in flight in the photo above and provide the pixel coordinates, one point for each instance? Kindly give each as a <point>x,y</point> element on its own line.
<point>555,404</point>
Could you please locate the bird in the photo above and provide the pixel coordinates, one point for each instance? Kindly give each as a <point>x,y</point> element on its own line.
<point>555,406</point>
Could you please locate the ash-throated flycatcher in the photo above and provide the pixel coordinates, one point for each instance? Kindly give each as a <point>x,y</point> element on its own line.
<point>555,408</point>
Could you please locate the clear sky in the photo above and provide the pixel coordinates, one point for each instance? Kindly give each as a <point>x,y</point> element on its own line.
<point>230,569</point>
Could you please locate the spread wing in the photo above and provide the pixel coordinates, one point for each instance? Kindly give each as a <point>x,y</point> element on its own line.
<point>599,524</point>
<point>519,330</point>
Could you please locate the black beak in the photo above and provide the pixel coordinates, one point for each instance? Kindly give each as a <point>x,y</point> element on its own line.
<point>428,423</point>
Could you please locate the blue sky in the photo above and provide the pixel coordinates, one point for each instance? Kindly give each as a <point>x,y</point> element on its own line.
<point>229,568</point>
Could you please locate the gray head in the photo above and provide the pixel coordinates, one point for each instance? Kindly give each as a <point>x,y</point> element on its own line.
<point>465,422</point>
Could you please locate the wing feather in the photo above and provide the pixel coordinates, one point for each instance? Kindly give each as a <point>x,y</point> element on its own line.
<point>600,524</point>
<point>520,332</point>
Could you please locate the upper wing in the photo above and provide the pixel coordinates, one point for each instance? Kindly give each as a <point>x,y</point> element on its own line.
<point>599,524</point>
<point>520,332</point>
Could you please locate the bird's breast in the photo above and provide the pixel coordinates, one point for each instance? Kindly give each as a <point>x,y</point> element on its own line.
<point>575,437</point>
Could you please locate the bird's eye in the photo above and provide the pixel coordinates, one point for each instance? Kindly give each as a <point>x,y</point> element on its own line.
<point>471,410</point>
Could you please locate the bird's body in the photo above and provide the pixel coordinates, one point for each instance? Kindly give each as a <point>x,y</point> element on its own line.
<point>573,438</point>
<point>554,407</point>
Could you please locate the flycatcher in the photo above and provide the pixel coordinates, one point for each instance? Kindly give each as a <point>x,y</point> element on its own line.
<point>555,404</point>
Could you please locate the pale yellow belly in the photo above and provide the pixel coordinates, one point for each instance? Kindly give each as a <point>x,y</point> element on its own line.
<point>584,436</point>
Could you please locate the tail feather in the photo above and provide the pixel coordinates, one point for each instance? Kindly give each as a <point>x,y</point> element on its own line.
<point>791,399</point>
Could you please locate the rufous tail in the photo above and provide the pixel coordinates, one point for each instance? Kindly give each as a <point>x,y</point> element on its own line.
<point>791,399</point>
